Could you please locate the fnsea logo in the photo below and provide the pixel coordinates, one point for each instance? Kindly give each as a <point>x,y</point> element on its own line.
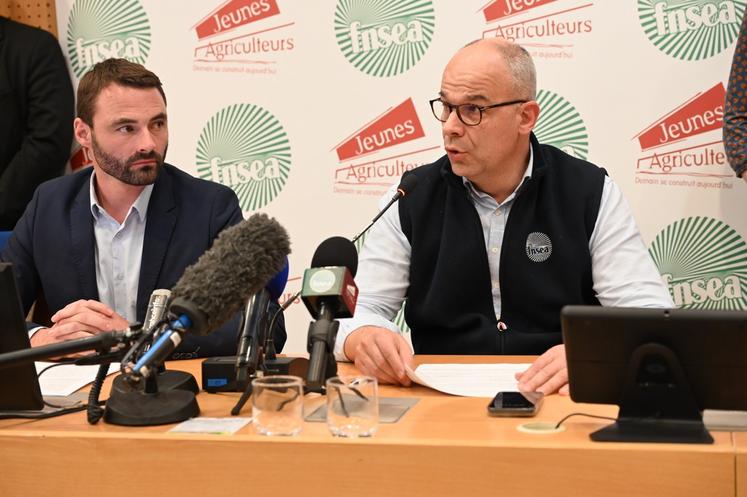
<point>105,29</point>
<point>375,156</point>
<point>561,125</point>
<point>384,38</point>
<point>243,36</point>
<point>704,263</point>
<point>546,28</point>
<point>686,142</point>
<point>245,147</point>
<point>691,29</point>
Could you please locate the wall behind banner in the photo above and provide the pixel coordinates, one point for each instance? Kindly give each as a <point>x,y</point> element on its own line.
<point>38,14</point>
<point>310,110</point>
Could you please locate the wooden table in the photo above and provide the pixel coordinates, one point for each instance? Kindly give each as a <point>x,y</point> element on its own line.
<point>444,446</point>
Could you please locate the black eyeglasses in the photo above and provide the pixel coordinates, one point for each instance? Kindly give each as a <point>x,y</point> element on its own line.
<point>469,114</point>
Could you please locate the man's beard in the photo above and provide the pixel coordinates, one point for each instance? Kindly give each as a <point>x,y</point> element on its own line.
<point>122,169</point>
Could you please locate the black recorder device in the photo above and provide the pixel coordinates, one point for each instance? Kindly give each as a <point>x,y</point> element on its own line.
<point>219,373</point>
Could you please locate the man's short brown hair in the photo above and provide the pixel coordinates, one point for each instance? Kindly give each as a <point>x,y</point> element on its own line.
<point>112,71</point>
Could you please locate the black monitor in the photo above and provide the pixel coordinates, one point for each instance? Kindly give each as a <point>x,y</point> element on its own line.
<point>661,366</point>
<point>19,385</point>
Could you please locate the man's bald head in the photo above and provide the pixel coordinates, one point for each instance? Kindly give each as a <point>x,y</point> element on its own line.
<point>518,63</point>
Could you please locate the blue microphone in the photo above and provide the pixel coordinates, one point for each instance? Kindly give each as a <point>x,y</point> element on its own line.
<point>278,282</point>
<point>160,350</point>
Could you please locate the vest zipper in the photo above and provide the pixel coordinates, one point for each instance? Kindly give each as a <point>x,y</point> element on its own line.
<point>502,327</point>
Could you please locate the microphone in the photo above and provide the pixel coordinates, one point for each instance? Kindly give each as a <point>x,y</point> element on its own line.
<point>406,186</point>
<point>241,261</point>
<point>329,292</point>
<point>154,316</point>
<point>103,342</point>
<point>156,310</point>
<point>254,327</point>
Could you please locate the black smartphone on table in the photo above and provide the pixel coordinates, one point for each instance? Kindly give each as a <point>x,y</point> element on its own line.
<point>515,403</point>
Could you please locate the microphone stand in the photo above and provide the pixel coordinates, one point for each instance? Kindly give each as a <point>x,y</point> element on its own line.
<point>144,407</point>
<point>248,364</point>
<point>148,406</point>
<point>253,335</point>
<point>166,379</point>
<point>322,335</point>
<point>140,402</point>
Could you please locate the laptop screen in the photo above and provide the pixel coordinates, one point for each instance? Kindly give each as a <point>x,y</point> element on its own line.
<point>19,386</point>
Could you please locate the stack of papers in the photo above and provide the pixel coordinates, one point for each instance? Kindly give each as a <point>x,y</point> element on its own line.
<point>468,380</point>
<point>66,379</point>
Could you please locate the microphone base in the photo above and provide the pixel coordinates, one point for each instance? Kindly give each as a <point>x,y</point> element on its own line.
<point>166,380</point>
<point>219,373</point>
<point>136,408</point>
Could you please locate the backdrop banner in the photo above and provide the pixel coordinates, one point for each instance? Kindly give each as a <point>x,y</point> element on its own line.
<point>310,110</point>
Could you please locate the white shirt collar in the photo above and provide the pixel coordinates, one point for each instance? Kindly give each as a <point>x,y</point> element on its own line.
<point>140,206</point>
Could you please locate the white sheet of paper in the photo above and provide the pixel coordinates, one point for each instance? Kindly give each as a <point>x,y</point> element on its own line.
<point>211,426</point>
<point>66,379</point>
<point>468,380</point>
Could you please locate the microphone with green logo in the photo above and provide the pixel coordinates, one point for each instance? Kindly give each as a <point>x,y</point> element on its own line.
<point>329,293</point>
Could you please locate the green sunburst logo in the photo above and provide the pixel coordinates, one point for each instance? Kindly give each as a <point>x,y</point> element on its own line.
<point>104,29</point>
<point>245,147</point>
<point>561,125</point>
<point>691,29</point>
<point>384,37</point>
<point>704,262</point>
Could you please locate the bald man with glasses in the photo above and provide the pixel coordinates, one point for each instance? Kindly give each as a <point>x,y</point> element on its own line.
<point>500,234</point>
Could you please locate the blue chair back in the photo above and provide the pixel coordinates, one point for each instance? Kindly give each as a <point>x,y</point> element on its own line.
<point>4,236</point>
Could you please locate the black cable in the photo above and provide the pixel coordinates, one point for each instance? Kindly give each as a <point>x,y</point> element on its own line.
<point>56,364</point>
<point>270,353</point>
<point>95,411</point>
<point>583,414</point>
<point>38,375</point>
<point>61,410</point>
<point>44,415</point>
<point>52,414</point>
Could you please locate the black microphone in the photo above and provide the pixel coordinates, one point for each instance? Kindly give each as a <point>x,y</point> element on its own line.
<point>241,261</point>
<point>255,326</point>
<point>329,292</point>
<point>103,342</point>
<point>406,186</point>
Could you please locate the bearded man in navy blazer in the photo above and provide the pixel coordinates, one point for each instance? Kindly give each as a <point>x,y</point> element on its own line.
<point>97,243</point>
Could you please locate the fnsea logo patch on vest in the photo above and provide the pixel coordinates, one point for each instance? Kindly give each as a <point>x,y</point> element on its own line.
<point>376,155</point>
<point>243,36</point>
<point>691,29</point>
<point>538,247</point>
<point>245,147</point>
<point>384,38</point>
<point>548,29</point>
<point>684,147</point>
<point>103,29</point>
<point>561,125</point>
<point>704,263</point>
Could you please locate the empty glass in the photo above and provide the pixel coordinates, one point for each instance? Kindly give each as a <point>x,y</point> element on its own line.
<point>352,406</point>
<point>277,405</point>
